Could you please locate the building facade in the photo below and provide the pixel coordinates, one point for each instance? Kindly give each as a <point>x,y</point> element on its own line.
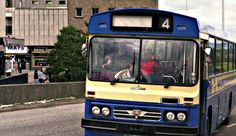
<point>79,11</point>
<point>38,22</point>
<point>2,18</point>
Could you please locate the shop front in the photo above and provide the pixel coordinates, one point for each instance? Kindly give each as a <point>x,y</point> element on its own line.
<point>16,55</point>
<point>38,57</point>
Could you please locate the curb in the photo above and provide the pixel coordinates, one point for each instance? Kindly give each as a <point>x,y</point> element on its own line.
<point>42,105</point>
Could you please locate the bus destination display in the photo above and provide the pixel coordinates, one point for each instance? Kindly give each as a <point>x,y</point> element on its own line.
<point>157,23</point>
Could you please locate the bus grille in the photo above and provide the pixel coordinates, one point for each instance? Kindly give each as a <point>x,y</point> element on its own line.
<point>137,114</point>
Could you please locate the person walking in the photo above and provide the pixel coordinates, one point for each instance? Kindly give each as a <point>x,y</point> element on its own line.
<point>42,76</point>
<point>36,76</point>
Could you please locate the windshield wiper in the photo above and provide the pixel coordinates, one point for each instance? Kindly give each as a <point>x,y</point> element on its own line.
<point>120,73</point>
<point>133,64</point>
<point>168,83</point>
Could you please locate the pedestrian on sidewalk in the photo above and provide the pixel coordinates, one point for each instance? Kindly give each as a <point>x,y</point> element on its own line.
<point>36,76</point>
<point>42,77</point>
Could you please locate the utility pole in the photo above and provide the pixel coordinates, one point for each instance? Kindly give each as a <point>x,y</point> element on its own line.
<point>157,4</point>
<point>223,15</point>
<point>186,6</point>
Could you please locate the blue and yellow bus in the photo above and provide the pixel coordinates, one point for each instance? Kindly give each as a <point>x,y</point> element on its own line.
<point>153,72</point>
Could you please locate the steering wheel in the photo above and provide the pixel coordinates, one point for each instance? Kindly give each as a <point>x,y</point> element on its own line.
<point>169,76</point>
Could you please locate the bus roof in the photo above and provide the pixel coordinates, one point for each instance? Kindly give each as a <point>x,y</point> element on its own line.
<point>180,25</point>
<point>210,30</point>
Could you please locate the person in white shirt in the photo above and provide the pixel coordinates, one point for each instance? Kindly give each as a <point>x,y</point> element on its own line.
<point>42,77</point>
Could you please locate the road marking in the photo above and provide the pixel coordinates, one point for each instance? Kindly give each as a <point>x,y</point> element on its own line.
<point>234,124</point>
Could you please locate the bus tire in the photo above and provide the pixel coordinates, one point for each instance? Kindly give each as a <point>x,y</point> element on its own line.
<point>208,126</point>
<point>227,119</point>
<point>208,122</point>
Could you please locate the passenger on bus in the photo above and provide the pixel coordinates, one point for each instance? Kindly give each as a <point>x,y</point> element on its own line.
<point>149,67</point>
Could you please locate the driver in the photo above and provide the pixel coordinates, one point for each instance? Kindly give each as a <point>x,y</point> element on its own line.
<point>117,60</point>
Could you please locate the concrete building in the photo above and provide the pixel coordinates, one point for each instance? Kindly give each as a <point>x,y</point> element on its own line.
<point>38,22</point>
<point>2,18</point>
<point>79,11</point>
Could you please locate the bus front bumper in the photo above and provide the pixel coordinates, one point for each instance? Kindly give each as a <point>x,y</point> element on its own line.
<point>137,128</point>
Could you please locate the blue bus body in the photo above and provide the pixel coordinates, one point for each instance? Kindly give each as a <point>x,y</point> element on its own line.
<point>215,100</point>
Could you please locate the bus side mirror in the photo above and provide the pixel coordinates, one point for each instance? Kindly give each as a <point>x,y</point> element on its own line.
<point>208,53</point>
<point>84,50</point>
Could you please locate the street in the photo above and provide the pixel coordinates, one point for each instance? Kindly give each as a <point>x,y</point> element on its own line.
<point>63,121</point>
<point>230,129</point>
<point>53,121</point>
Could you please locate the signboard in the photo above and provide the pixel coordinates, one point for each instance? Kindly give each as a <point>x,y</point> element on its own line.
<point>132,21</point>
<point>15,46</point>
<point>142,22</point>
<point>41,50</point>
<point>16,49</point>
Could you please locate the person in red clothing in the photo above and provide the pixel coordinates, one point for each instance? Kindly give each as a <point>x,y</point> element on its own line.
<point>149,66</point>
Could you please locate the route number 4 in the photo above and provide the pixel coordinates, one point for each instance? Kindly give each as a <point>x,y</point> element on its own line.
<point>166,24</point>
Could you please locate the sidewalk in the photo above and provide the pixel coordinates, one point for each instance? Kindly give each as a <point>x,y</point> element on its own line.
<point>43,104</point>
<point>30,75</point>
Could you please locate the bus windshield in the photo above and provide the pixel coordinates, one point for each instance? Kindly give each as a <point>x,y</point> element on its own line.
<point>146,61</point>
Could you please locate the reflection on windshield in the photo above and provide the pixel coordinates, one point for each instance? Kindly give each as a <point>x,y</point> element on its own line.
<point>152,61</point>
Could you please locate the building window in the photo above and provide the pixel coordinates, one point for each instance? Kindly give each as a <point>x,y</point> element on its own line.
<point>20,4</point>
<point>111,9</point>
<point>62,2</point>
<point>8,25</point>
<point>95,11</point>
<point>79,12</point>
<point>48,2</point>
<point>8,3</point>
<point>35,2</point>
<point>8,30</point>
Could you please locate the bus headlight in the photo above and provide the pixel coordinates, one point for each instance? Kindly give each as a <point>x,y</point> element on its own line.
<point>170,116</point>
<point>105,111</point>
<point>181,116</point>
<point>95,110</point>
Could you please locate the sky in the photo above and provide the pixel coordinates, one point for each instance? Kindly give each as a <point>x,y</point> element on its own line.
<point>206,11</point>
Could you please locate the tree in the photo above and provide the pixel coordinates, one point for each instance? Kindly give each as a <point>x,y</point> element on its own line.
<point>66,62</point>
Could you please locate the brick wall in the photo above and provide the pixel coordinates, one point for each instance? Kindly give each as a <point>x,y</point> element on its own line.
<point>103,5</point>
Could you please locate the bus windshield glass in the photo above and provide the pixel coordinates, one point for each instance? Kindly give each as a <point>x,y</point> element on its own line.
<point>146,61</point>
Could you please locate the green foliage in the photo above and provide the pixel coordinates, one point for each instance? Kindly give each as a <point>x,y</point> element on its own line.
<point>66,62</point>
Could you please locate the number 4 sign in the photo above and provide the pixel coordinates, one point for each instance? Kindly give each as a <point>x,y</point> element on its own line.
<point>165,23</point>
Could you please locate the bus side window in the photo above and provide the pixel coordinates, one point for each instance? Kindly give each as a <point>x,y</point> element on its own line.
<point>211,65</point>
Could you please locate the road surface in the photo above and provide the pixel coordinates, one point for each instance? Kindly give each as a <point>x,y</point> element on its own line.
<point>53,121</point>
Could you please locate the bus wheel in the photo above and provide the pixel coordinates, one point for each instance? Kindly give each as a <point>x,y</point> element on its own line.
<point>227,119</point>
<point>208,125</point>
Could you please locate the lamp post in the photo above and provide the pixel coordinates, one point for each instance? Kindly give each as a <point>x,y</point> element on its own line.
<point>157,4</point>
<point>186,6</point>
<point>223,15</point>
